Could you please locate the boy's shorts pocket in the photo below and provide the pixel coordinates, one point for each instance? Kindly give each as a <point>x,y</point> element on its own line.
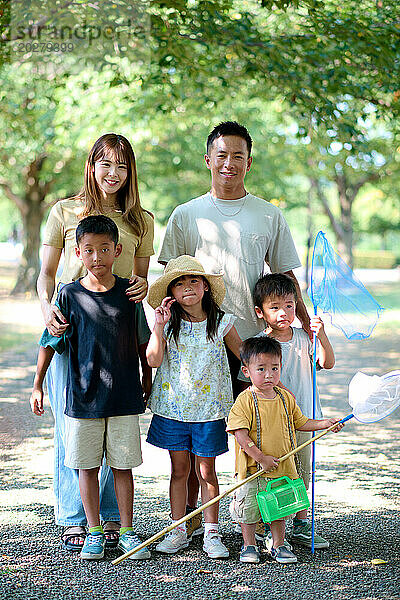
<point>244,507</point>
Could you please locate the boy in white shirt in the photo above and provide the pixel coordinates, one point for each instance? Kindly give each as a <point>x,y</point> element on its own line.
<point>275,300</point>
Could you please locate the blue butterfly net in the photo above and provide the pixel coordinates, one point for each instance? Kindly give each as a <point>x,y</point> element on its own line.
<point>337,291</point>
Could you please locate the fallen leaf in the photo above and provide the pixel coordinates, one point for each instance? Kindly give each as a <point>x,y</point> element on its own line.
<point>206,571</point>
<point>378,561</point>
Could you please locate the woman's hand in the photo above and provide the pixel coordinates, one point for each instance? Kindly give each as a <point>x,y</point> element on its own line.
<point>138,290</point>
<point>162,313</point>
<point>54,320</point>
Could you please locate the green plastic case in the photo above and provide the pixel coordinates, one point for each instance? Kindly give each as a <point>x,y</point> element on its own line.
<point>281,498</point>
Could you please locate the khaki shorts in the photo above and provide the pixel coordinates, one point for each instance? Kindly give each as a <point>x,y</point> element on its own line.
<point>304,456</point>
<point>88,440</point>
<point>244,506</point>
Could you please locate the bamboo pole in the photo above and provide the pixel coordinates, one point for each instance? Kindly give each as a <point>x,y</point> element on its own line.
<point>231,489</point>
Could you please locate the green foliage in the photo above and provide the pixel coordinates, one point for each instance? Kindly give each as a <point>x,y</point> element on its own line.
<point>374,260</point>
<point>315,82</point>
<point>58,118</point>
<point>310,53</point>
<point>9,219</point>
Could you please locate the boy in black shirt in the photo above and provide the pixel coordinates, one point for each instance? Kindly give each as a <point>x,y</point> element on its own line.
<point>106,336</point>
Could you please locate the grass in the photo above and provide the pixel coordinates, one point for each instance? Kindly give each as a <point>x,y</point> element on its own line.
<point>387,294</point>
<point>10,338</point>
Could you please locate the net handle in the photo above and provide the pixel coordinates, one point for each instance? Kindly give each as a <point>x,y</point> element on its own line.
<point>232,488</point>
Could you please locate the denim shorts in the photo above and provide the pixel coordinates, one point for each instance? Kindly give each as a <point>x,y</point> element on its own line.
<point>206,439</point>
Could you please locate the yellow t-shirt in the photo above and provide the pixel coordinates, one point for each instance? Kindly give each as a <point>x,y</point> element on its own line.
<point>60,233</point>
<point>275,440</point>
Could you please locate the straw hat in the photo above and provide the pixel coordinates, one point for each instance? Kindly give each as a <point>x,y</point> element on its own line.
<point>177,267</point>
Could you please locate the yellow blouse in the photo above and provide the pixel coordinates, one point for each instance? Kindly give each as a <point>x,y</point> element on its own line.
<point>60,233</point>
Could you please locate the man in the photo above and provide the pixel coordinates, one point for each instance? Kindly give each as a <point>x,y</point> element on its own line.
<point>230,230</point>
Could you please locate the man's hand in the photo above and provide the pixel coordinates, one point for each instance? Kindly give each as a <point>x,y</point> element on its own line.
<point>330,422</point>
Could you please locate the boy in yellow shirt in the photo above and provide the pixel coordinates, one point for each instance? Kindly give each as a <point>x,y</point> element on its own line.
<point>280,417</point>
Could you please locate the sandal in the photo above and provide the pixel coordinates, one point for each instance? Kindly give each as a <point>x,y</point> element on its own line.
<point>111,532</point>
<point>66,538</point>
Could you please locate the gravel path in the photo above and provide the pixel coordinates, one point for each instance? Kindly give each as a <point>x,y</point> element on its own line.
<point>357,509</point>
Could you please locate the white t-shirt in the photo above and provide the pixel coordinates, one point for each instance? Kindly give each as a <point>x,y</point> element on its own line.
<point>296,373</point>
<point>193,382</point>
<point>236,237</point>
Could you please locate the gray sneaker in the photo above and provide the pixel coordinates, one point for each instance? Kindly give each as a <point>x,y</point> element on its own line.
<point>249,554</point>
<point>283,555</point>
<point>302,535</point>
<point>93,548</point>
<point>269,542</point>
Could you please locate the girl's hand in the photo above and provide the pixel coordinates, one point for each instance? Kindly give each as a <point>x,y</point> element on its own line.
<point>317,325</point>
<point>36,401</point>
<point>269,463</point>
<point>55,321</point>
<point>138,290</point>
<point>330,422</point>
<point>163,312</point>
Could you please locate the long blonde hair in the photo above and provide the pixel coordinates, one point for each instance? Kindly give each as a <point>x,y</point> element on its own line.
<point>119,149</point>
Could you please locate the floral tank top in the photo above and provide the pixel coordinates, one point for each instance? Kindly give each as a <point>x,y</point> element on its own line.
<point>193,382</point>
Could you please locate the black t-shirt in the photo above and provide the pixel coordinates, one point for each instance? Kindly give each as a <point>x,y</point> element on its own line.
<point>105,330</point>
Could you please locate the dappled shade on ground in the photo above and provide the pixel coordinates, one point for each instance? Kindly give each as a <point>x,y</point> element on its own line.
<point>358,480</point>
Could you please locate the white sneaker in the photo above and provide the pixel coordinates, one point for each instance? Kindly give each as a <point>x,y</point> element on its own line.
<point>174,541</point>
<point>214,547</point>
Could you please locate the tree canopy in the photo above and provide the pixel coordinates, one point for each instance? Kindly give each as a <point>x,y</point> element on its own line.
<point>308,52</point>
<point>317,81</point>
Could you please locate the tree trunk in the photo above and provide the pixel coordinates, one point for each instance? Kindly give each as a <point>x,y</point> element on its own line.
<point>29,267</point>
<point>345,241</point>
<point>32,207</point>
<point>309,236</point>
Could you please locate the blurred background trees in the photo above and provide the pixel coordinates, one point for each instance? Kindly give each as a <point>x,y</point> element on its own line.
<point>316,83</point>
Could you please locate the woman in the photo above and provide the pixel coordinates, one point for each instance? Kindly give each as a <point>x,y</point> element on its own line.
<point>110,188</point>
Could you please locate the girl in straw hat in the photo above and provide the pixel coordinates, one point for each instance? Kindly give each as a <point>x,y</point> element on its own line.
<point>192,390</point>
